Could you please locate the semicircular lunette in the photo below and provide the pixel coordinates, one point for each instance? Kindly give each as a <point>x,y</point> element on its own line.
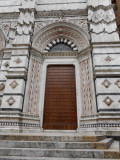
<point>62,33</point>
<point>61,44</point>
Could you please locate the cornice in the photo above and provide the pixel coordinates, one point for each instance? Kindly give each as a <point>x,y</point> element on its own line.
<point>61,14</point>
<point>12,15</point>
<point>105,8</point>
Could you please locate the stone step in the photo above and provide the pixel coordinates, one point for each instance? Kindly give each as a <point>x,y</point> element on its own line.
<point>59,153</point>
<point>52,138</point>
<point>44,158</point>
<point>104,144</point>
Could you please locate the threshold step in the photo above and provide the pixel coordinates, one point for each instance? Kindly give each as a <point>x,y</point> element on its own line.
<point>60,153</point>
<point>52,138</point>
<point>104,144</point>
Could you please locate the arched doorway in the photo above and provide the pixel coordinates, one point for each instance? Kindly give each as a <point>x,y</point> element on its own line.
<point>60,109</point>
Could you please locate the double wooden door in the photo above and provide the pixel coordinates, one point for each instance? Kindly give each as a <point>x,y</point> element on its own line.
<point>60,111</point>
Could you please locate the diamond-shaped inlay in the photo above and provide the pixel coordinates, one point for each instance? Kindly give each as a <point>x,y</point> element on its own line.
<point>2,86</point>
<point>108,59</point>
<point>14,84</point>
<point>117,83</point>
<point>11,101</point>
<point>6,65</point>
<point>108,101</point>
<point>106,83</point>
<point>18,61</point>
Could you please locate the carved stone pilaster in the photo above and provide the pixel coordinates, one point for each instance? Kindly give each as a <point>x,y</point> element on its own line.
<point>106,54</point>
<point>18,66</point>
<point>102,21</point>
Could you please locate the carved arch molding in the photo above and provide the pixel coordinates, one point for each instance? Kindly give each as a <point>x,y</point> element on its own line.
<point>60,32</point>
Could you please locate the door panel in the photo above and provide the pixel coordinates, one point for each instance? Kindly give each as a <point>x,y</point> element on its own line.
<point>60,111</point>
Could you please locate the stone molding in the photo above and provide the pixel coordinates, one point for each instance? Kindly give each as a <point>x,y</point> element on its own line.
<point>60,30</point>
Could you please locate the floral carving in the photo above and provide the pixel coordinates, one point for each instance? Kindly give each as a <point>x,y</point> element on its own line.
<point>100,15</point>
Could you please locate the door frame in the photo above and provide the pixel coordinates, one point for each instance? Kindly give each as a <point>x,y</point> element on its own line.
<point>61,61</point>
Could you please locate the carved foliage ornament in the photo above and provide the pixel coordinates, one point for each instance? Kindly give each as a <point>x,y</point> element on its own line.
<point>101,15</point>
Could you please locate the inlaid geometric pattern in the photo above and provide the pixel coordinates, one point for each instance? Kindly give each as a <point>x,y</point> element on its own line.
<point>2,86</point>
<point>108,101</point>
<point>14,84</point>
<point>106,83</point>
<point>11,101</point>
<point>18,61</point>
<point>6,65</point>
<point>117,83</point>
<point>108,59</point>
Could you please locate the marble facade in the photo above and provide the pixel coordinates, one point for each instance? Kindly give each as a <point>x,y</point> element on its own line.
<point>28,31</point>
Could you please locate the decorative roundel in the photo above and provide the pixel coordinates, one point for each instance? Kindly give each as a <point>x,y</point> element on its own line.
<point>61,41</point>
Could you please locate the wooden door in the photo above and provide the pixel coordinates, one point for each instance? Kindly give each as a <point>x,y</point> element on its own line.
<point>60,111</point>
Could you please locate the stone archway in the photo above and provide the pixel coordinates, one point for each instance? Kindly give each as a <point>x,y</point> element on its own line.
<point>48,37</point>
